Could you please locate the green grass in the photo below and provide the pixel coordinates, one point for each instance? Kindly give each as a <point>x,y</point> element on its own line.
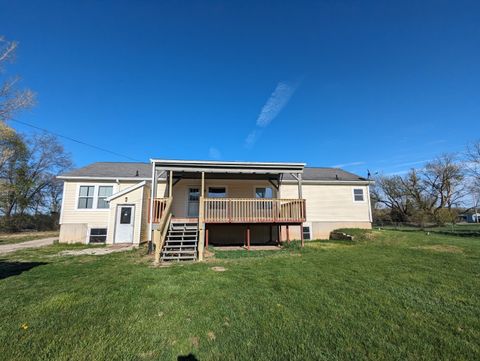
<point>395,296</point>
<point>10,238</point>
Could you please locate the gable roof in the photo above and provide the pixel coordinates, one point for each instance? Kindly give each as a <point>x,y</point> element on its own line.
<point>111,170</point>
<point>327,174</point>
<point>128,170</point>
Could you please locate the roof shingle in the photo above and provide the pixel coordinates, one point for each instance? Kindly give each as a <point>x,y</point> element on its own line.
<point>130,169</point>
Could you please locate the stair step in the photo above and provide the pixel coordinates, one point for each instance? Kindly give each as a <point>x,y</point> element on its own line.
<point>191,253</point>
<point>181,242</point>
<point>185,258</point>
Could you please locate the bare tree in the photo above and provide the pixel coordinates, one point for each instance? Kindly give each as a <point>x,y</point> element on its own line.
<point>428,194</point>
<point>473,162</point>
<point>29,178</point>
<point>391,193</point>
<point>12,99</point>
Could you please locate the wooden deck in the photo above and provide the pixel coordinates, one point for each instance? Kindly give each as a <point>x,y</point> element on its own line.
<point>252,210</point>
<point>243,210</point>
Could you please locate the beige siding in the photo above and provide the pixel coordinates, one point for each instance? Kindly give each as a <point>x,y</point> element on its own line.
<point>135,198</point>
<point>330,203</point>
<point>76,223</point>
<point>234,188</point>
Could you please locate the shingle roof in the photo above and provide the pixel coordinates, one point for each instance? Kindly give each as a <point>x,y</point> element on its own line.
<point>129,170</point>
<point>113,170</point>
<point>327,174</point>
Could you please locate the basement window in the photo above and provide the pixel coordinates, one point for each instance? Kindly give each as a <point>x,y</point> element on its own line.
<point>98,235</point>
<point>306,232</point>
<point>358,195</point>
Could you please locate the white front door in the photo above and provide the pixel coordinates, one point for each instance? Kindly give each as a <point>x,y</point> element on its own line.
<point>124,224</point>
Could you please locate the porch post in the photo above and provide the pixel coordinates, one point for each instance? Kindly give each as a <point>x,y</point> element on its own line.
<point>153,194</point>
<point>170,184</point>
<point>301,235</point>
<point>299,180</point>
<point>288,235</point>
<point>248,237</point>
<point>206,237</point>
<point>201,220</point>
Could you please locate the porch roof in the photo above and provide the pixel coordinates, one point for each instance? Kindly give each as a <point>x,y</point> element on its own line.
<point>220,167</point>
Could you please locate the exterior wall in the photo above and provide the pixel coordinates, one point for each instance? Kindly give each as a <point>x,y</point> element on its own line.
<point>329,207</point>
<point>75,224</point>
<point>234,188</point>
<point>136,198</point>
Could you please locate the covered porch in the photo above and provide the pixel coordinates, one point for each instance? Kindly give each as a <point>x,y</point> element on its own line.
<point>237,203</point>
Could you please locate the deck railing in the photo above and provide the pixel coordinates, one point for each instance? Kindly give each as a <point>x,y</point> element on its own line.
<point>159,205</point>
<point>253,210</point>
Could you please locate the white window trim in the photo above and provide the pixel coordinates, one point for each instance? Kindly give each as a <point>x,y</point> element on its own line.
<point>95,196</point>
<point>309,226</point>
<point>363,192</point>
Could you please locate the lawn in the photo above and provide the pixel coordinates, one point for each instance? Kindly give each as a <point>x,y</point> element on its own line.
<point>395,296</point>
<point>9,238</point>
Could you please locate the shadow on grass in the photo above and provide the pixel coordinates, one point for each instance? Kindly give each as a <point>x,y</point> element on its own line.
<point>189,357</point>
<point>9,268</point>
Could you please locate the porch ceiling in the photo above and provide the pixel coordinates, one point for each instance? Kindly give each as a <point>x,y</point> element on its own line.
<point>238,176</point>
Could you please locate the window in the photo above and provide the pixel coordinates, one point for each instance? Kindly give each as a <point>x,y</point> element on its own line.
<point>306,232</point>
<point>94,196</point>
<point>217,192</point>
<point>98,235</point>
<point>103,193</point>
<point>358,195</point>
<point>263,192</point>
<point>85,197</point>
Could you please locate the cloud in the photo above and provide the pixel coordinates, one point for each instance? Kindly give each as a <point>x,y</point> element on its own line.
<point>214,153</point>
<point>347,164</point>
<point>274,105</point>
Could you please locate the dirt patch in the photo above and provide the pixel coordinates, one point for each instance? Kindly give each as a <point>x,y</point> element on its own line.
<point>442,248</point>
<point>218,269</point>
<point>96,251</point>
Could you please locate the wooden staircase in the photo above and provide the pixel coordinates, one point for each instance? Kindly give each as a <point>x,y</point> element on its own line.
<point>181,242</point>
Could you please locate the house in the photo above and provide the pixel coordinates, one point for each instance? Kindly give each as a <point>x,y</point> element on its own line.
<point>181,207</point>
<point>470,217</point>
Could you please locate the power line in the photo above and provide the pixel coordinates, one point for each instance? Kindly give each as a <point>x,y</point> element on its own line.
<point>74,140</point>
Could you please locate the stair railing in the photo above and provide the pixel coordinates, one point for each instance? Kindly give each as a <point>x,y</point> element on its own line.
<point>162,229</point>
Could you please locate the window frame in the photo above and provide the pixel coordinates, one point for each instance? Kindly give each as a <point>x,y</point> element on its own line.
<point>87,197</point>
<point>224,187</point>
<point>363,195</point>
<point>90,235</point>
<point>95,196</point>
<point>309,232</point>
<point>255,187</point>
<point>98,195</point>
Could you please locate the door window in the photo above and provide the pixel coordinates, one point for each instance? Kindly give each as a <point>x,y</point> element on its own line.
<point>125,215</point>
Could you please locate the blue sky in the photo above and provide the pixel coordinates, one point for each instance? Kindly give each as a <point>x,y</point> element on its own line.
<point>383,85</point>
